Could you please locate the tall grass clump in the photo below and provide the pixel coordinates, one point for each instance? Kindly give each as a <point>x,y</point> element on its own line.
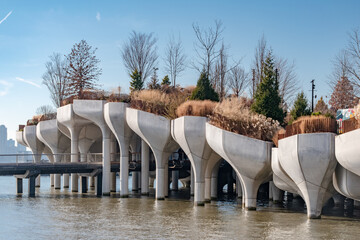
<point>312,124</point>
<point>160,102</point>
<point>235,115</point>
<point>196,108</point>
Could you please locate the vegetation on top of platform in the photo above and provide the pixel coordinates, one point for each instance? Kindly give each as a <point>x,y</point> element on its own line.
<point>199,108</point>
<point>235,115</point>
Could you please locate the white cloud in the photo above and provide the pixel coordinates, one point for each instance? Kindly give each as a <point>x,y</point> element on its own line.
<point>98,17</point>
<point>4,87</point>
<point>6,17</point>
<point>28,82</point>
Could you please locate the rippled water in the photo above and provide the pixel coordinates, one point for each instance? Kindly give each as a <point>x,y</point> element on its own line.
<point>55,214</point>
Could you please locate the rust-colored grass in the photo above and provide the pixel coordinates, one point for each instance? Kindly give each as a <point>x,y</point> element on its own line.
<point>196,108</point>
<point>234,115</point>
<point>311,124</point>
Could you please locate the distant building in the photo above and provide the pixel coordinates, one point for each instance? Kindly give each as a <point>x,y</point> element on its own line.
<point>7,146</point>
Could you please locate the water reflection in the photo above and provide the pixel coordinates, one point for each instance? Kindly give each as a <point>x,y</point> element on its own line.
<point>60,214</point>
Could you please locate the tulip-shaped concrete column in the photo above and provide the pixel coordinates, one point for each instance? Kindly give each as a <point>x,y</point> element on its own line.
<point>50,135</point>
<point>74,123</point>
<point>115,117</point>
<point>145,162</point>
<point>250,158</point>
<point>212,166</point>
<point>155,131</point>
<point>347,152</point>
<point>280,178</point>
<point>309,160</point>
<point>93,110</point>
<point>346,182</point>
<point>35,145</point>
<point>189,133</point>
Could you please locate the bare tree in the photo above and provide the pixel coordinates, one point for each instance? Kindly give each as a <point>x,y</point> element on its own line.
<point>47,111</point>
<point>55,78</point>
<point>206,45</point>
<point>139,53</point>
<point>286,73</point>
<point>83,71</point>
<point>238,80</point>
<point>174,59</point>
<point>287,80</point>
<point>219,79</point>
<point>261,51</point>
<point>353,51</point>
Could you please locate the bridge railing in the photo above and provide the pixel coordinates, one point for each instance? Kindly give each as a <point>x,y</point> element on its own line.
<point>50,158</point>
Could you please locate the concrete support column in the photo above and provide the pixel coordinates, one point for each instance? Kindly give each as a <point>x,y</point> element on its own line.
<point>207,190</point>
<point>175,180</point>
<point>124,168</point>
<point>19,185</point>
<point>214,184</point>
<point>271,184</point>
<point>113,159</point>
<point>145,162</point>
<point>65,175</point>
<point>166,178</point>
<point>160,183</point>
<point>134,179</point>
<point>84,184</point>
<point>57,177</point>
<point>277,193</point>
<point>51,180</point>
<point>31,187</point>
<point>74,158</point>
<point>192,181</point>
<point>199,193</point>
<point>99,191</point>
<point>356,204</point>
<point>238,187</point>
<point>251,187</point>
<point>106,161</point>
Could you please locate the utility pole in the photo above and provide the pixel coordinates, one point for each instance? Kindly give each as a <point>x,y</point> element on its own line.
<point>253,82</point>
<point>312,94</point>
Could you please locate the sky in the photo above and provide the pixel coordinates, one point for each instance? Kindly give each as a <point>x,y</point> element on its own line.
<point>308,33</point>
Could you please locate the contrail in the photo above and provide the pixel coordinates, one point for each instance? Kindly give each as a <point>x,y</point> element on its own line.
<point>28,82</point>
<point>6,17</point>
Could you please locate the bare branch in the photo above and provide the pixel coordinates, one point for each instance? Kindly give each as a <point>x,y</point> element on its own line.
<point>55,78</point>
<point>139,53</point>
<point>238,80</point>
<point>174,59</point>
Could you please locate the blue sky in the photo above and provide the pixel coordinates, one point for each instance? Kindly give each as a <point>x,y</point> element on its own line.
<point>310,33</point>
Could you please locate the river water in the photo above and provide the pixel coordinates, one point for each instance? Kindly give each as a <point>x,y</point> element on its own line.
<point>59,214</point>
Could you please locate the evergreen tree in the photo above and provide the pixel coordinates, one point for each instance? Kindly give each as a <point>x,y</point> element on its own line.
<point>301,107</point>
<point>343,95</point>
<point>83,71</point>
<point>166,81</point>
<point>136,83</point>
<point>267,100</point>
<point>204,90</point>
<point>321,106</point>
<point>154,82</point>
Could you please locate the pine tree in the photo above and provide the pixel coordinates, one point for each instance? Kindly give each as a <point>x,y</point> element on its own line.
<point>343,95</point>
<point>154,82</point>
<point>136,83</point>
<point>204,90</point>
<point>267,100</point>
<point>321,106</point>
<point>83,71</point>
<point>301,107</point>
<point>166,81</point>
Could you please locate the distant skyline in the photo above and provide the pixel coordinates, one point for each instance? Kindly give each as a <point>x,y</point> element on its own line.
<point>310,33</point>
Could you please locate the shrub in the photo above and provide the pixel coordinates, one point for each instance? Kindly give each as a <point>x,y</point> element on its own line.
<point>159,102</point>
<point>234,115</point>
<point>204,90</point>
<point>196,108</point>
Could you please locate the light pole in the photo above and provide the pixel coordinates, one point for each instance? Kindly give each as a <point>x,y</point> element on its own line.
<point>312,94</point>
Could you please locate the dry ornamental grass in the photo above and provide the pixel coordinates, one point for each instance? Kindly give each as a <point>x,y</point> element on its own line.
<point>234,115</point>
<point>196,108</point>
